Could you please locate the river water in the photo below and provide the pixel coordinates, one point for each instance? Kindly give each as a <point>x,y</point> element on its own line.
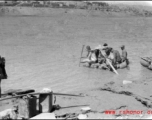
<point>44,52</point>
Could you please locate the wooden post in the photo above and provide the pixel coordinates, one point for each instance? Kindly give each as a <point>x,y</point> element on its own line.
<point>27,107</point>
<point>38,93</point>
<point>45,102</point>
<point>81,55</point>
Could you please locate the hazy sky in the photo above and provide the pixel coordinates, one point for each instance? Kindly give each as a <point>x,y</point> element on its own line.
<point>133,2</point>
<point>149,2</point>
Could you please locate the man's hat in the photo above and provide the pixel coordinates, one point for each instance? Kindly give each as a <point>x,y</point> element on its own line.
<point>105,44</point>
<point>88,47</point>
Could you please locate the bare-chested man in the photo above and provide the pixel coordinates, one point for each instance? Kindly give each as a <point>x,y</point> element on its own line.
<point>92,56</point>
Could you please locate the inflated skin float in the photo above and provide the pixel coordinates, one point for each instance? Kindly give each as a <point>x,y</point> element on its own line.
<point>146,62</point>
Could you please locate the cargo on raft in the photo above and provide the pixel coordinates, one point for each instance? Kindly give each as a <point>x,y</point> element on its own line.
<point>146,62</point>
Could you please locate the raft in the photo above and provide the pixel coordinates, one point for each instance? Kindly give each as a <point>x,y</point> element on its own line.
<point>146,62</point>
<point>104,66</point>
<point>122,65</point>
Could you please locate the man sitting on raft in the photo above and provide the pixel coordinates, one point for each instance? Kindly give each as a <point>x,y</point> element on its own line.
<point>117,57</point>
<point>118,60</point>
<point>113,56</point>
<point>92,56</point>
<point>96,56</point>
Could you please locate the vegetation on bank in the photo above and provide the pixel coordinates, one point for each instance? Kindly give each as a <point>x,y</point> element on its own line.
<point>99,6</point>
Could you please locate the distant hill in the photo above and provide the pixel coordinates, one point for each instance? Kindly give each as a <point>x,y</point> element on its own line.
<point>136,8</point>
<point>139,8</point>
<point>135,3</point>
